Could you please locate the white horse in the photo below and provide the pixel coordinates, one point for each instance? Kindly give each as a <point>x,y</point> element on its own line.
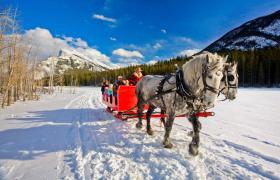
<point>198,81</point>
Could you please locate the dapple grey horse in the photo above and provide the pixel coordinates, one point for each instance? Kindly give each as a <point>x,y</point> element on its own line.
<point>229,83</point>
<point>228,86</point>
<point>202,75</point>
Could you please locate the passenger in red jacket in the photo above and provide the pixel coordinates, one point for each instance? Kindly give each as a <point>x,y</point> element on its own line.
<point>135,77</point>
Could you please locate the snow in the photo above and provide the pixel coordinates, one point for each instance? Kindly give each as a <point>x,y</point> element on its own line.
<point>273,28</point>
<point>90,59</point>
<point>70,136</point>
<point>80,55</point>
<point>260,42</point>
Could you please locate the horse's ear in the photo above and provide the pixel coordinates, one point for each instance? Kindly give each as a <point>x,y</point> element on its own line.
<point>234,64</point>
<point>226,65</point>
<point>225,58</point>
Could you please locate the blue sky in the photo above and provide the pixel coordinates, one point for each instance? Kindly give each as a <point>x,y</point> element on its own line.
<point>139,30</point>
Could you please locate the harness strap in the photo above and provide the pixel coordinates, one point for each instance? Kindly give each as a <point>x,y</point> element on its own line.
<point>181,87</point>
<point>206,86</point>
<point>160,88</point>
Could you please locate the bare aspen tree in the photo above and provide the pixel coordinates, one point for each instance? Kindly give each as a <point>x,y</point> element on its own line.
<point>17,81</point>
<point>51,77</point>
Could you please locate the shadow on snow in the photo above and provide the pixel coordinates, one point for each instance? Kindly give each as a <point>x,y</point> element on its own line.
<point>53,133</point>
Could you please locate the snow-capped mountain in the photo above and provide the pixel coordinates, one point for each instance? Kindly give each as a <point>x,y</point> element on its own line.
<point>259,33</point>
<point>71,59</point>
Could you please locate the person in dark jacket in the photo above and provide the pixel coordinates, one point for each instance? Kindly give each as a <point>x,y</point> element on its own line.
<point>119,81</point>
<point>104,85</point>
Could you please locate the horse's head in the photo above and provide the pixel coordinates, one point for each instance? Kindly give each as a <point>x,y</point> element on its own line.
<point>212,75</point>
<point>229,83</point>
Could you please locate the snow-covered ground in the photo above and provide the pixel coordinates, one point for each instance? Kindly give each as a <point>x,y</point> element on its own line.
<point>70,136</point>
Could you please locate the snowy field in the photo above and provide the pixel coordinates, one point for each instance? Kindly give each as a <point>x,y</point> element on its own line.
<point>70,136</point>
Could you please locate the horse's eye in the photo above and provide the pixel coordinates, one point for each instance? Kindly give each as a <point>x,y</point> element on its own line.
<point>210,76</point>
<point>218,73</point>
<point>230,77</point>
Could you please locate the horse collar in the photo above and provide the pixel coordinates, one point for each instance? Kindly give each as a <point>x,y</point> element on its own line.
<point>181,87</point>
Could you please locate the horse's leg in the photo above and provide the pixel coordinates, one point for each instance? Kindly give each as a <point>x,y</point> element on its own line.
<point>140,108</point>
<point>148,117</point>
<point>162,119</point>
<point>191,133</point>
<point>193,146</point>
<point>168,127</point>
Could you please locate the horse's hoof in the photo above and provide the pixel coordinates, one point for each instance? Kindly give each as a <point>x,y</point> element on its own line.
<point>193,149</point>
<point>139,125</point>
<point>168,146</point>
<point>150,132</point>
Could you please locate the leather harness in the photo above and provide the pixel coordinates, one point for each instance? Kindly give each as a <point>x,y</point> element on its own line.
<point>182,88</point>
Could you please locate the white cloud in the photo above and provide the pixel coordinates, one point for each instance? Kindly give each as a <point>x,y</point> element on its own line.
<point>128,58</point>
<point>148,48</point>
<point>121,65</point>
<point>151,62</point>
<point>127,54</point>
<point>68,39</point>
<point>113,38</point>
<point>103,18</point>
<point>129,61</point>
<point>43,44</point>
<point>187,41</point>
<point>157,46</point>
<point>80,43</point>
<point>76,42</point>
<point>163,31</point>
<point>189,52</point>
<point>94,54</point>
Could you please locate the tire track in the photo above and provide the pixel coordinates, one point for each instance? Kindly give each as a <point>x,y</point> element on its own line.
<point>77,150</point>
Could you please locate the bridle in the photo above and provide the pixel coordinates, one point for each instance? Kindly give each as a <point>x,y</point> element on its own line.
<point>228,78</point>
<point>206,86</point>
<point>184,90</point>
